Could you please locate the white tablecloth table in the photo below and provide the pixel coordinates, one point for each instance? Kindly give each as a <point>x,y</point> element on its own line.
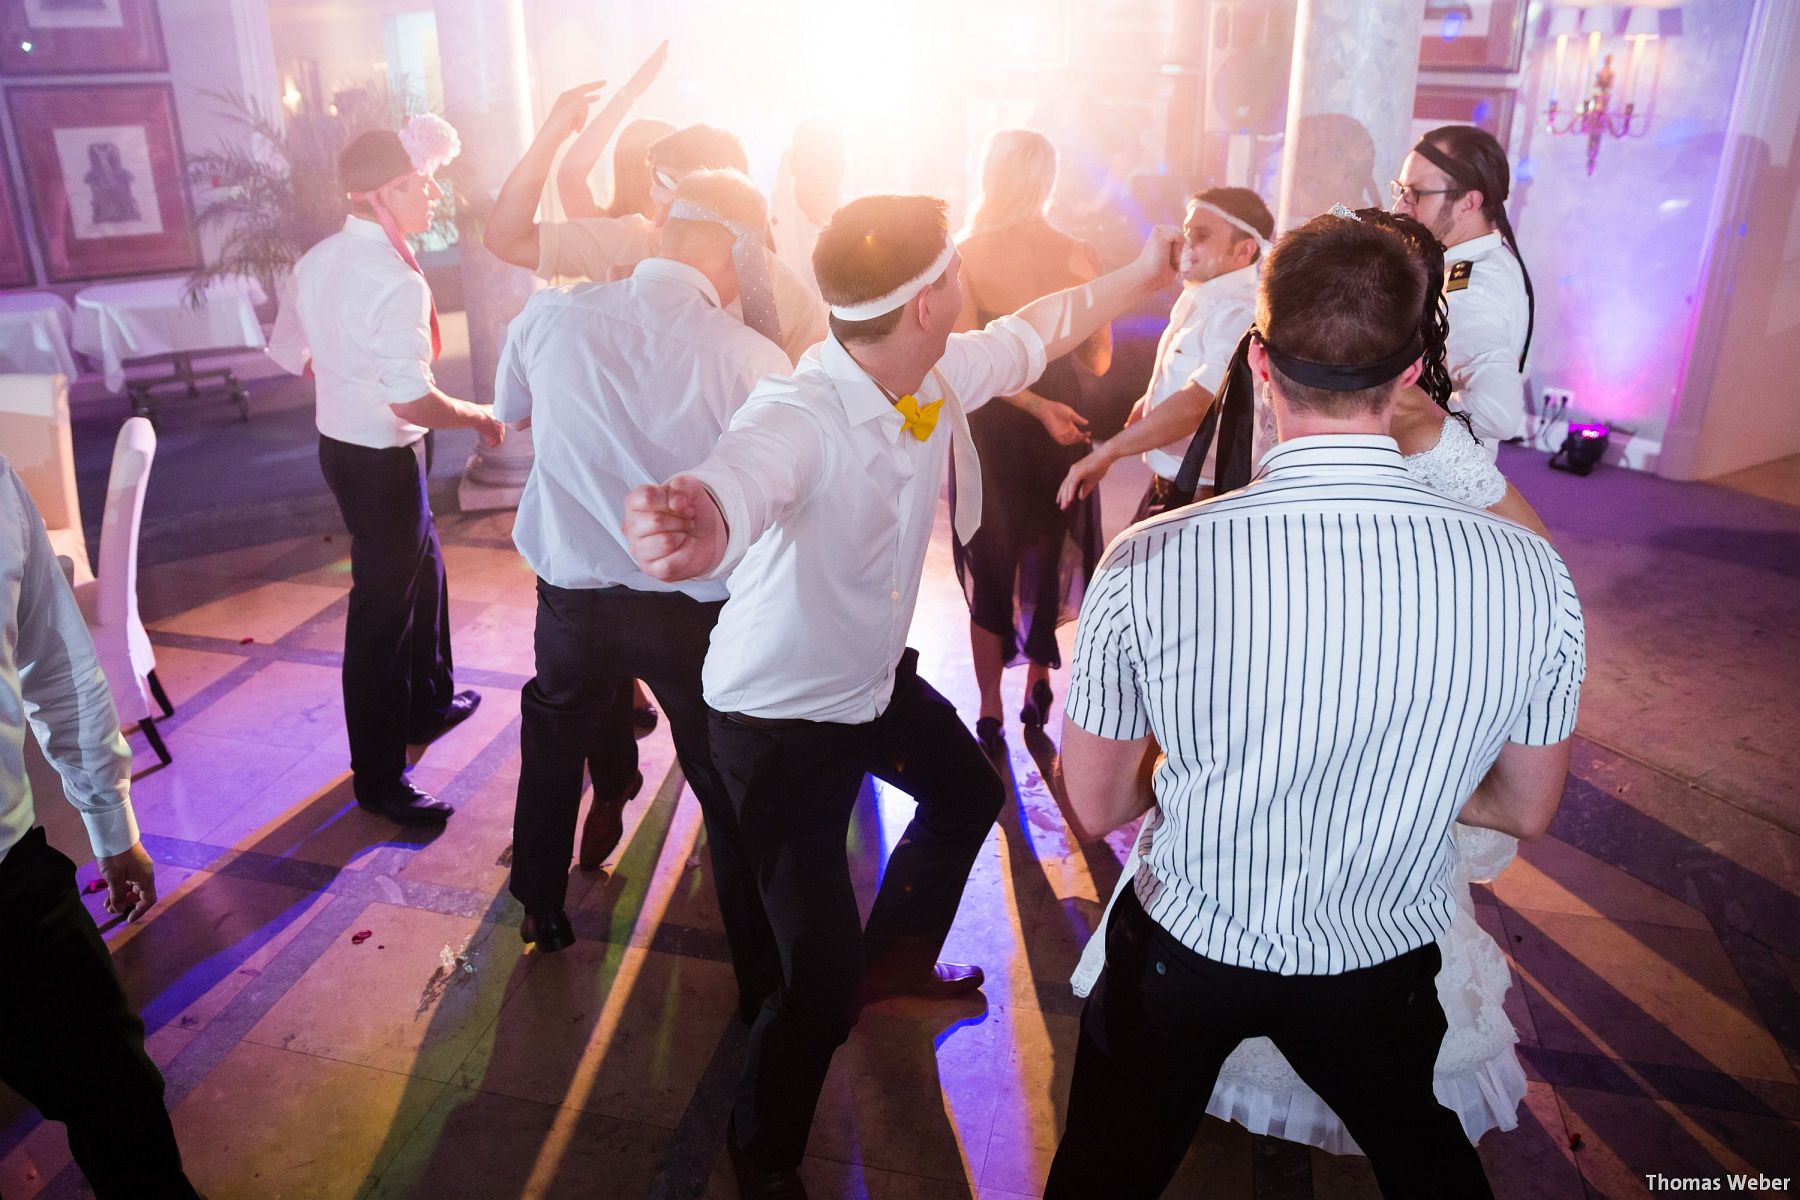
<point>34,335</point>
<point>116,323</point>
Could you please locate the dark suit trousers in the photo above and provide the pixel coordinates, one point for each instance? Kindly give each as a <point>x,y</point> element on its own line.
<point>794,785</point>
<point>71,1044</point>
<point>576,712</point>
<point>1163,1019</point>
<point>397,668</point>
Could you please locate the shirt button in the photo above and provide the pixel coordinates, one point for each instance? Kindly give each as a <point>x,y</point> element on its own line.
<point>893,595</point>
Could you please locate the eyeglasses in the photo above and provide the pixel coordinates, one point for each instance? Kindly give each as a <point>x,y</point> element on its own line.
<point>667,179</point>
<point>1406,193</point>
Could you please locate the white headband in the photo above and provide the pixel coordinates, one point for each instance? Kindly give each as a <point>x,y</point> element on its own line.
<point>1242,226</point>
<point>870,309</point>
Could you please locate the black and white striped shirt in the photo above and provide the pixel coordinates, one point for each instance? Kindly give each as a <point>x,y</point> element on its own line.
<point>1330,660</point>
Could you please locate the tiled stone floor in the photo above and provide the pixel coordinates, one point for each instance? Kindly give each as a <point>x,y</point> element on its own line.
<point>1655,934</point>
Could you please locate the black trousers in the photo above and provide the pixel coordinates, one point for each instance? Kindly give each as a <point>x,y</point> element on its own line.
<point>1163,1019</point>
<point>397,667</point>
<point>794,786</point>
<point>69,1042</point>
<point>576,712</point>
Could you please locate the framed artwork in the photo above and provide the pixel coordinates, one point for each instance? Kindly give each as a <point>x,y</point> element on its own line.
<point>1472,35</point>
<point>105,170</point>
<point>1489,108</point>
<point>68,37</point>
<point>15,256</point>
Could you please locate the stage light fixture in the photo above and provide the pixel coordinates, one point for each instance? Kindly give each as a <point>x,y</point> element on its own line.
<point>1581,450</point>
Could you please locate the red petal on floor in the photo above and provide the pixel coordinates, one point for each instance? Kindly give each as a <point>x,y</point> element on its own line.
<point>361,936</point>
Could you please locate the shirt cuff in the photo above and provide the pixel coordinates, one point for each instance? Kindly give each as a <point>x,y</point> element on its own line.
<point>729,497</point>
<point>1208,376</point>
<point>1027,336</point>
<point>404,383</point>
<point>112,830</point>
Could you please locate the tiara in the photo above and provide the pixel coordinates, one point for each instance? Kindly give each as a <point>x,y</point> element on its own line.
<point>1338,210</point>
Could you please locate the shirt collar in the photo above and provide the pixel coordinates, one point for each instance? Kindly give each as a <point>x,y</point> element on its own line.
<point>1473,248</point>
<point>362,227</point>
<point>678,272</point>
<point>861,396</point>
<point>1332,454</point>
<point>1242,279</point>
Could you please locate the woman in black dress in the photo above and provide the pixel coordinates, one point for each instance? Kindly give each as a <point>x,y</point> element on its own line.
<point>1024,571</point>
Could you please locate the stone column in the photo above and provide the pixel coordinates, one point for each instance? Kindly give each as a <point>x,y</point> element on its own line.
<point>1350,103</point>
<point>481,44</point>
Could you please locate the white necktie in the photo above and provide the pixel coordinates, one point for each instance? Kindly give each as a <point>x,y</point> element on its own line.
<point>967,517</point>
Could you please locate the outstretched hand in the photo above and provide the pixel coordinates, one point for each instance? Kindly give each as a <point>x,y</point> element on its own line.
<point>674,530</point>
<point>1083,477</point>
<point>1061,422</point>
<point>570,111</point>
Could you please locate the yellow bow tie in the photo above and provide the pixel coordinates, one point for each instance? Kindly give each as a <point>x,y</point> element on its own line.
<point>920,419</point>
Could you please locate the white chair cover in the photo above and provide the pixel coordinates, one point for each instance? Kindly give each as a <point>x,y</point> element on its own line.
<point>110,602</point>
<point>34,434</point>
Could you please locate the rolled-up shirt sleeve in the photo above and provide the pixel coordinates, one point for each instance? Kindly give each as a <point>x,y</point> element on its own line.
<point>1218,341</point>
<point>62,691</point>
<point>287,341</point>
<point>1001,360</point>
<point>1105,692</point>
<point>512,386</point>
<point>400,339</point>
<point>1549,715</point>
<point>771,459</point>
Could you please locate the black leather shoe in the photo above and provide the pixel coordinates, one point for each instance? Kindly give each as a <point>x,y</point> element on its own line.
<point>605,825</point>
<point>404,804</point>
<point>1036,709</point>
<point>945,981</point>
<point>462,707</point>
<point>548,931</point>
<point>754,1183</point>
<point>991,734</point>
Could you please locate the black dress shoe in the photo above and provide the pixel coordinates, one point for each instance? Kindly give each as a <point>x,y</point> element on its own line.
<point>991,734</point>
<point>548,931</point>
<point>404,804</point>
<point>754,1183</point>
<point>462,707</point>
<point>605,825</point>
<point>1036,709</point>
<point>944,981</point>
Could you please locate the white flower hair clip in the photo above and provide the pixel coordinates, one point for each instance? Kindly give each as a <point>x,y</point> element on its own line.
<point>1339,210</point>
<point>430,142</point>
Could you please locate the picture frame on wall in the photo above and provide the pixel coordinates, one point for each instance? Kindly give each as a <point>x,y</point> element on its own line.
<point>1472,35</point>
<point>1489,108</point>
<point>70,37</point>
<point>105,172</point>
<point>15,254</point>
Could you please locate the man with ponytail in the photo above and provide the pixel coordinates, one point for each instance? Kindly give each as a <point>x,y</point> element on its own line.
<point>1455,183</point>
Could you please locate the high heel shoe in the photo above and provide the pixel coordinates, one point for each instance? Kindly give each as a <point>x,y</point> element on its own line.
<point>1036,709</point>
<point>991,734</point>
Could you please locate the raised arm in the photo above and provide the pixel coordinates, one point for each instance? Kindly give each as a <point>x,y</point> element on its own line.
<point>1070,317</point>
<point>512,228</point>
<point>577,166</point>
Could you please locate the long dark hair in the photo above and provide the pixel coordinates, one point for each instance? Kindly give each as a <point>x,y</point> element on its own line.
<point>1475,160</point>
<point>1434,322</point>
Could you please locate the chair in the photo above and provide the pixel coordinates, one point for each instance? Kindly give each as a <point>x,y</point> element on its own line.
<point>34,430</point>
<point>109,603</point>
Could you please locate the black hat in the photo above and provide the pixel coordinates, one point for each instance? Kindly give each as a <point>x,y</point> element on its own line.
<point>372,159</point>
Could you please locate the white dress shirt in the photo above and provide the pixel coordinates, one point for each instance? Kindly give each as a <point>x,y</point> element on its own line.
<point>50,679</point>
<point>1488,319</point>
<point>364,319</point>
<point>626,384</point>
<point>1205,326</point>
<point>1330,660</point>
<point>594,247</point>
<point>830,504</point>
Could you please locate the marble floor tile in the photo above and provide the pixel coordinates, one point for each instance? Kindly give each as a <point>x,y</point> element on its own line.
<point>489,575</point>
<point>499,638</point>
<point>1651,993</point>
<point>208,775</point>
<point>262,612</point>
<point>1518,1007</point>
<point>283,704</point>
<point>484,1144</point>
<point>400,1001</point>
<point>1553,876</point>
<point>635,1030</point>
<point>1534,1161</point>
<point>1623,1139</point>
<point>184,673</point>
<point>279,1125</point>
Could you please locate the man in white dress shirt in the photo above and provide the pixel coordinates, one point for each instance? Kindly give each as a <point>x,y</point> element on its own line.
<point>1455,183</point>
<point>1225,233</point>
<point>367,324</point>
<point>597,248</point>
<point>1304,683</point>
<point>819,503</point>
<point>625,384</point>
<point>69,1042</point>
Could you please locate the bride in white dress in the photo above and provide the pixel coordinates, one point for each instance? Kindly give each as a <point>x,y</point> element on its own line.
<point>1478,1075</point>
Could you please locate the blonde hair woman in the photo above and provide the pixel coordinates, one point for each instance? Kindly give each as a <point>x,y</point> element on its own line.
<point>1024,571</point>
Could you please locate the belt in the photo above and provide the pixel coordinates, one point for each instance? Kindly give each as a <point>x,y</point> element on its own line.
<point>766,722</point>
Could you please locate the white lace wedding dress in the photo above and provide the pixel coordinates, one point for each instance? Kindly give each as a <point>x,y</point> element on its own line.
<point>1478,1076</point>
